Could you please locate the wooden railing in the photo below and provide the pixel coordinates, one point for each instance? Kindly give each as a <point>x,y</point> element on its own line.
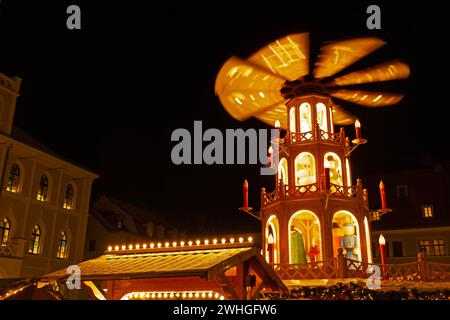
<point>343,191</point>
<point>395,272</point>
<point>317,135</point>
<point>9,249</point>
<point>438,271</point>
<point>313,270</point>
<point>296,191</point>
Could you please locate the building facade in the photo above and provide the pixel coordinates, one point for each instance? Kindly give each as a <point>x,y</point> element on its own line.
<point>44,200</point>
<point>420,220</point>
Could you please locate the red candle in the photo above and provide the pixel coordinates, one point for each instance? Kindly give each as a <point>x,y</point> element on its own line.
<point>270,152</point>
<point>358,129</point>
<point>383,252</point>
<point>382,195</point>
<point>327,175</point>
<point>245,189</point>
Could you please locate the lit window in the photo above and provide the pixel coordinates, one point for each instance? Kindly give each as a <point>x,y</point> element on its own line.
<point>305,117</point>
<point>427,211</point>
<point>305,169</point>
<point>43,188</point>
<point>62,246</point>
<point>375,216</point>
<point>35,240</point>
<point>321,111</point>
<point>283,171</point>
<point>13,179</point>
<point>439,247</point>
<point>335,166</point>
<point>292,126</point>
<point>5,230</point>
<point>68,198</point>
<point>425,247</point>
<point>402,191</point>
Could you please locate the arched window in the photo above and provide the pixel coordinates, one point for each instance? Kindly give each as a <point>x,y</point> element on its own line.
<point>321,111</point>
<point>305,117</point>
<point>5,230</point>
<point>292,124</point>
<point>305,239</point>
<point>68,197</point>
<point>62,246</point>
<point>13,179</point>
<point>272,240</point>
<point>283,171</point>
<point>346,235</point>
<point>35,240</point>
<point>334,163</point>
<point>43,188</point>
<point>305,169</point>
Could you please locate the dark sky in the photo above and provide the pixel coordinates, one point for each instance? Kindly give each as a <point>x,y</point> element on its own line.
<point>109,96</point>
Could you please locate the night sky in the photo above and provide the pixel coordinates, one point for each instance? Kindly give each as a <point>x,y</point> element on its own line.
<point>109,96</point>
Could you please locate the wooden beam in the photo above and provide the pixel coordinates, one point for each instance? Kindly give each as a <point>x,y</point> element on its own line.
<point>229,286</point>
<point>257,290</point>
<point>94,292</point>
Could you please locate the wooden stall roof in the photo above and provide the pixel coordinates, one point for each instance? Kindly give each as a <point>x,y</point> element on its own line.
<point>202,261</point>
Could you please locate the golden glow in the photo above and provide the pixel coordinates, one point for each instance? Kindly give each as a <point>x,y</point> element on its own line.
<point>272,224</point>
<point>336,56</point>
<point>181,243</point>
<point>250,239</point>
<point>357,124</point>
<point>109,248</point>
<point>231,240</point>
<point>335,166</point>
<point>174,244</point>
<point>392,70</point>
<point>307,224</point>
<point>368,242</point>
<point>206,242</point>
<point>167,244</point>
<point>124,247</point>
<point>381,240</point>
<point>116,248</point>
<point>197,242</point>
<point>348,173</point>
<point>277,124</point>
<point>241,239</point>
<point>214,241</point>
<point>283,171</point>
<point>130,247</point>
<point>342,116</point>
<point>287,57</point>
<point>346,235</point>
<point>137,247</point>
<point>223,240</point>
<point>368,99</point>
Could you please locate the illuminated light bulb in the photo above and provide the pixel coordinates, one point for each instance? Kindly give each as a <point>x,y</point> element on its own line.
<point>138,246</point>
<point>203,295</point>
<point>159,245</point>
<point>167,244</point>
<point>241,239</point>
<point>197,242</point>
<point>153,295</point>
<point>190,295</point>
<point>174,244</point>
<point>177,294</point>
<point>152,245</point>
<point>223,240</point>
<point>197,295</point>
<point>116,248</point>
<point>190,243</point>
<point>124,247</point>
<point>215,241</point>
<point>130,247</point>
<point>184,295</point>
<point>147,295</point>
<point>222,297</point>
<point>165,295</point>
<point>210,295</point>
<point>171,295</point>
<point>109,248</point>
<point>216,295</point>
<point>182,243</point>
<point>144,246</point>
<point>206,241</point>
<point>261,94</point>
<point>250,239</point>
<point>231,240</point>
<point>141,295</point>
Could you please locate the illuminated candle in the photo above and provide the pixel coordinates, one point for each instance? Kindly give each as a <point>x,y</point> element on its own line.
<point>245,189</point>
<point>382,195</point>
<point>270,152</point>
<point>358,129</point>
<point>277,124</point>
<point>327,175</point>
<point>383,252</point>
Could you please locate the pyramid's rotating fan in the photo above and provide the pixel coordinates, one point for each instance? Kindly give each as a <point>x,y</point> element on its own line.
<point>261,85</point>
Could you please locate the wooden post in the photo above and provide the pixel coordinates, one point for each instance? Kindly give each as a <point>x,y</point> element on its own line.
<point>342,268</point>
<point>422,267</point>
<point>359,188</point>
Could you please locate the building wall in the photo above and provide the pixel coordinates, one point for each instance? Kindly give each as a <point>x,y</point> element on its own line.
<point>24,210</point>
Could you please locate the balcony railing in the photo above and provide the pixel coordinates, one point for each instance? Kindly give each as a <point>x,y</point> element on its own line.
<point>317,135</point>
<point>315,189</point>
<point>13,248</point>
